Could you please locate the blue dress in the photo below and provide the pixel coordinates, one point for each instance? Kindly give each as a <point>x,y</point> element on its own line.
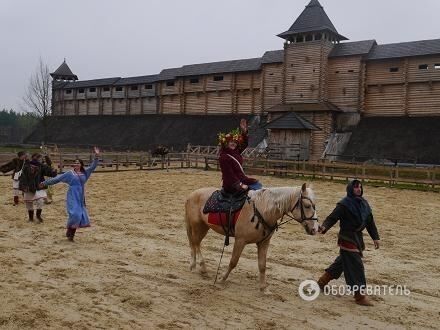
<point>75,202</point>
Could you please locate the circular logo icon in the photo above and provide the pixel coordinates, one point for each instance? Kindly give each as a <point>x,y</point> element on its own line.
<point>309,290</point>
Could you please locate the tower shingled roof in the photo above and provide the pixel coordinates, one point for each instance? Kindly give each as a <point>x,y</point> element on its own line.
<point>63,72</point>
<point>312,19</point>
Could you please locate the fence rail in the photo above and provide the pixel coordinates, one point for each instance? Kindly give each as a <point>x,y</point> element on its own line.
<point>427,176</point>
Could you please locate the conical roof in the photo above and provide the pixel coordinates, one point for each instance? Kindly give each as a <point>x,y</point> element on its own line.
<point>64,73</point>
<point>312,19</point>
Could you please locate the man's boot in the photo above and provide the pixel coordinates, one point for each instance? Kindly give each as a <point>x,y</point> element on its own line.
<point>15,200</point>
<point>31,215</point>
<point>324,279</point>
<point>39,215</point>
<point>362,299</point>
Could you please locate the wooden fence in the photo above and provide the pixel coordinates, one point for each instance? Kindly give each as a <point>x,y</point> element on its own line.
<point>428,177</point>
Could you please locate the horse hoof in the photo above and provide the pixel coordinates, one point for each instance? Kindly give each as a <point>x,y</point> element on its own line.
<point>265,291</point>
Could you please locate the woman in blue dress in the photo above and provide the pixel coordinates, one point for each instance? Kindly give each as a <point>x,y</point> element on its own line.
<point>75,201</point>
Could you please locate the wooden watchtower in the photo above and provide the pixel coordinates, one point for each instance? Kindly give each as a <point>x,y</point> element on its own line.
<point>308,43</point>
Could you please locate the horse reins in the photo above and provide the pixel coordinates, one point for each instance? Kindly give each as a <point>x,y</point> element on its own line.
<point>271,229</point>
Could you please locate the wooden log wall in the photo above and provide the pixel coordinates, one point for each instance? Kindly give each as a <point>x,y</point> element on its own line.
<point>272,85</point>
<point>397,87</point>
<point>93,107</point>
<point>325,121</point>
<point>303,77</point>
<point>195,103</point>
<point>432,73</point>
<point>219,102</point>
<point>120,106</point>
<point>135,106</point>
<point>344,74</point>
<point>69,108</point>
<point>149,104</point>
<point>424,99</point>
<point>385,100</point>
<point>170,104</point>
<point>107,106</point>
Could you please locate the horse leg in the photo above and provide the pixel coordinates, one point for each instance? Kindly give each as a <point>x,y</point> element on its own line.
<point>262,255</point>
<point>236,253</point>
<point>197,236</point>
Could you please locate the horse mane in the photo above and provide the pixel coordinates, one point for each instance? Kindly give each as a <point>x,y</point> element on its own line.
<point>277,201</point>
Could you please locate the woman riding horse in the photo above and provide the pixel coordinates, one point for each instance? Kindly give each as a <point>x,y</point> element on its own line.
<point>232,145</point>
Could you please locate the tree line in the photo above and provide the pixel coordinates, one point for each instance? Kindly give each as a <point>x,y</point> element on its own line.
<point>15,126</point>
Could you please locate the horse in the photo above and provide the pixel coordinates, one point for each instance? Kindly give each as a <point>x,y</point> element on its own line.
<point>256,223</point>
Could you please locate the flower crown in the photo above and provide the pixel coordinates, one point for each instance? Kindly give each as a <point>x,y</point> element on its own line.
<point>225,138</point>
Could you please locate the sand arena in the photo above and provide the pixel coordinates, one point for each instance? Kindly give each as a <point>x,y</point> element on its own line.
<point>131,268</point>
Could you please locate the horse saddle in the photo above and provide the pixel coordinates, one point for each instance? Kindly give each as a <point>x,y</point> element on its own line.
<point>221,201</point>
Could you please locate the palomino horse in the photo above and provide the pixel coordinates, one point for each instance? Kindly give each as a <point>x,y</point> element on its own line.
<point>265,207</point>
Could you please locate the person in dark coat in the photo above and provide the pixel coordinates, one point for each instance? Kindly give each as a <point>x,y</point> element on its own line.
<point>354,215</point>
<point>16,166</point>
<point>230,159</point>
<point>33,174</point>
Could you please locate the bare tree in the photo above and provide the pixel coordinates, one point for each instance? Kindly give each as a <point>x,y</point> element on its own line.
<point>38,94</point>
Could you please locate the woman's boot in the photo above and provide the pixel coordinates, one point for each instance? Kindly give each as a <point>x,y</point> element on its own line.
<point>39,215</point>
<point>31,215</point>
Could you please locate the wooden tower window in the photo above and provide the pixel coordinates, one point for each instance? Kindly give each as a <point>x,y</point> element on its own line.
<point>437,66</point>
<point>394,69</point>
<point>81,90</point>
<point>92,89</point>
<point>118,89</point>
<point>309,37</point>
<point>423,67</point>
<point>106,89</point>
<point>68,91</point>
<point>134,88</point>
<point>218,78</point>
<point>148,86</point>
<point>194,81</point>
<point>170,83</point>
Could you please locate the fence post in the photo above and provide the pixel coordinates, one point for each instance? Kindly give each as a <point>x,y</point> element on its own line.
<point>206,164</point>
<point>117,162</point>
<point>141,162</point>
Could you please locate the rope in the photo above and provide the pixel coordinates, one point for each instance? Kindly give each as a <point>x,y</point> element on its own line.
<point>218,268</point>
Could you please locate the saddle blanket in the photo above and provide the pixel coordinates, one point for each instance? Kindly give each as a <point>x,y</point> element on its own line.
<point>221,219</point>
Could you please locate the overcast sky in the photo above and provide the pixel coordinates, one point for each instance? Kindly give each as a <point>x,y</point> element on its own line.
<point>121,38</point>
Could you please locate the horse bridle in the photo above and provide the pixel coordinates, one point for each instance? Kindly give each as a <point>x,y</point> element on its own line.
<point>300,204</point>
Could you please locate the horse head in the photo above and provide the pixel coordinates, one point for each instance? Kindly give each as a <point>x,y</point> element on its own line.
<point>304,210</point>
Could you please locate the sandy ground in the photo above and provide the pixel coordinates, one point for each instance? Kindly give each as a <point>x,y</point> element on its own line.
<point>131,269</point>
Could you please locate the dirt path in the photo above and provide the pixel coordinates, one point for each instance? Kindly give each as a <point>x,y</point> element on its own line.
<point>131,269</point>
